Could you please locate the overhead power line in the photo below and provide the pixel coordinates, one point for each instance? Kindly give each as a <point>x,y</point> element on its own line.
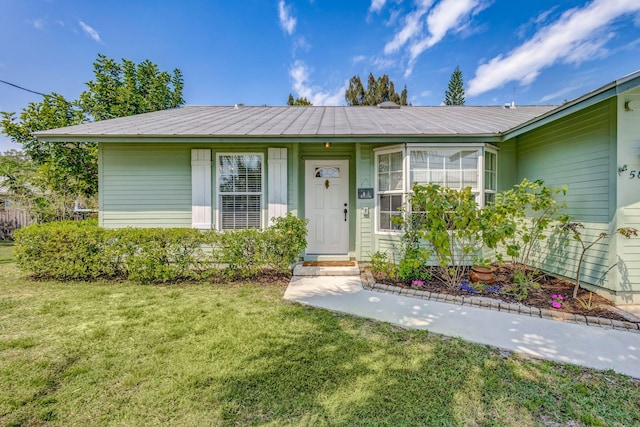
<point>22,88</point>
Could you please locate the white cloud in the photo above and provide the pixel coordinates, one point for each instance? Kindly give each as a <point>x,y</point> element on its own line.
<point>425,93</point>
<point>299,72</point>
<point>577,36</point>
<point>358,58</point>
<point>287,22</point>
<point>446,16</point>
<point>559,94</point>
<point>376,5</point>
<point>413,26</point>
<point>301,44</point>
<point>90,31</point>
<point>384,63</point>
<point>38,24</point>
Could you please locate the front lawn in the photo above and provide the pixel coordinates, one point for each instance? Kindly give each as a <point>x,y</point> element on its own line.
<point>118,353</point>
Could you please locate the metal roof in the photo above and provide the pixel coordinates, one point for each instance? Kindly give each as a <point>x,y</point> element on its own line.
<point>289,121</point>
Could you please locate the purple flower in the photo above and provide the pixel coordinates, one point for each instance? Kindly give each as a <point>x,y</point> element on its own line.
<point>417,284</point>
<point>556,300</point>
<point>466,287</point>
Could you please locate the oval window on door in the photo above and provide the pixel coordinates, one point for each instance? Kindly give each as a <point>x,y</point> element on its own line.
<point>328,172</point>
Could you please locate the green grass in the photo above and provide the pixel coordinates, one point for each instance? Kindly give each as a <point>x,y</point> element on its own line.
<point>6,252</point>
<point>117,353</point>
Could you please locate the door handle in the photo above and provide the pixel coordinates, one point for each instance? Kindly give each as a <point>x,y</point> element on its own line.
<point>345,212</point>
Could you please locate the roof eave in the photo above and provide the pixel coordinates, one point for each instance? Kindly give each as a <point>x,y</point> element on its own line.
<point>605,92</point>
<point>43,136</point>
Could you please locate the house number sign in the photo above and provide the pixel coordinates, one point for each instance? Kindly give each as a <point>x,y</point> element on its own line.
<point>365,193</point>
<point>634,174</point>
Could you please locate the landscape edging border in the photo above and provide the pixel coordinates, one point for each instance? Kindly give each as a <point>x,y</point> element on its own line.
<point>632,325</point>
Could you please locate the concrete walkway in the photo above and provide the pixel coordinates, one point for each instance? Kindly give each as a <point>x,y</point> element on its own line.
<point>583,345</point>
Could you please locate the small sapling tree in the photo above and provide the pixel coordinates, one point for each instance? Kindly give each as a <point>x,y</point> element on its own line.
<point>574,228</point>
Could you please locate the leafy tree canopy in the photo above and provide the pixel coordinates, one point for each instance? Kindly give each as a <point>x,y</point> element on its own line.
<point>454,95</point>
<point>378,91</point>
<point>71,169</point>
<point>126,89</point>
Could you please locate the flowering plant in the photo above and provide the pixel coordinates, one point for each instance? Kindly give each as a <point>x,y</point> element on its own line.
<point>418,284</point>
<point>479,287</point>
<point>466,286</point>
<point>556,300</point>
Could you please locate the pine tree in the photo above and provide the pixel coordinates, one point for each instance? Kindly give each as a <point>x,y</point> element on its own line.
<point>298,102</point>
<point>378,91</point>
<point>403,96</point>
<point>454,95</point>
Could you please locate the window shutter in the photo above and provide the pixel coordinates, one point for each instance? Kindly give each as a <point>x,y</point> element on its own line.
<point>277,182</point>
<point>201,189</point>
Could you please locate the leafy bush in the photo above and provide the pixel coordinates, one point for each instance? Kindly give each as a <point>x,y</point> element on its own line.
<point>450,222</point>
<point>530,210</point>
<point>382,267</point>
<point>64,250</point>
<point>80,250</point>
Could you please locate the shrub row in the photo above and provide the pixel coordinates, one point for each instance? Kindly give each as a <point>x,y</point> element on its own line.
<point>80,250</point>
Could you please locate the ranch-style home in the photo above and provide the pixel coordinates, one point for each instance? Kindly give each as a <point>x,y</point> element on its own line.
<point>348,170</point>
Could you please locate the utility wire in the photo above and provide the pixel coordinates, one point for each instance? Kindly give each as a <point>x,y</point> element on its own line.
<point>20,87</point>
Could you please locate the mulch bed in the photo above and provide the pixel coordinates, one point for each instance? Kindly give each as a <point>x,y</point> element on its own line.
<point>540,298</point>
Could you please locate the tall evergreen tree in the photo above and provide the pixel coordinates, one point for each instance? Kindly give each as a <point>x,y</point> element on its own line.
<point>372,89</point>
<point>355,94</point>
<point>454,95</point>
<point>378,91</point>
<point>298,102</point>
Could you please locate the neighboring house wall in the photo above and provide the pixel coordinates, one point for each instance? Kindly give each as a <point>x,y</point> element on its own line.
<point>627,273</point>
<point>577,151</point>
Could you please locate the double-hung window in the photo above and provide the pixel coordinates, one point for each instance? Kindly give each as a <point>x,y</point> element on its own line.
<point>240,190</point>
<point>453,168</point>
<point>390,189</point>
<point>490,176</point>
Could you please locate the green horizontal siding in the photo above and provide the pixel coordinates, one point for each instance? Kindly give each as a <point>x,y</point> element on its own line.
<point>365,224</point>
<point>577,151</point>
<point>145,186</point>
<point>628,268</point>
<point>574,151</point>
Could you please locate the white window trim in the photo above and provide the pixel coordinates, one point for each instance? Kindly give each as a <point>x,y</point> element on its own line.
<point>493,150</point>
<point>403,192</point>
<point>262,182</point>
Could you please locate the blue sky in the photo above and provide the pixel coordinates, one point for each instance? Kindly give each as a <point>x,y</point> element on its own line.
<point>258,51</point>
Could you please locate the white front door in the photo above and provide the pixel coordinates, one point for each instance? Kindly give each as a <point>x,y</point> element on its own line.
<point>327,206</point>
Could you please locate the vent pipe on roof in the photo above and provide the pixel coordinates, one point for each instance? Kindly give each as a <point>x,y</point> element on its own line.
<point>388,105</point>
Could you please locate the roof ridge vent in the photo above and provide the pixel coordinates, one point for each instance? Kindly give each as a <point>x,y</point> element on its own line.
<point>388,105</point>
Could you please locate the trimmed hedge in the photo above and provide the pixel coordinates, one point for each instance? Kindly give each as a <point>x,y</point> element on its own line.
<point>80,250</point>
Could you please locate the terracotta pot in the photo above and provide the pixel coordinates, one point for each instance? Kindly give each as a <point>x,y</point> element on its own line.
<point>482,274</point>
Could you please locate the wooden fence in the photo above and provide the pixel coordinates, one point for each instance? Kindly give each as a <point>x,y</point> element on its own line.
<point>11,220</point>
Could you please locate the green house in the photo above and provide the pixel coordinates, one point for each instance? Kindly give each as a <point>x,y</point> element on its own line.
<point>348,169</point>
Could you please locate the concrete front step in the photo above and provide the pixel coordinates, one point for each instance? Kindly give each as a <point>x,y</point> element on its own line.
<point>301,270</point>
